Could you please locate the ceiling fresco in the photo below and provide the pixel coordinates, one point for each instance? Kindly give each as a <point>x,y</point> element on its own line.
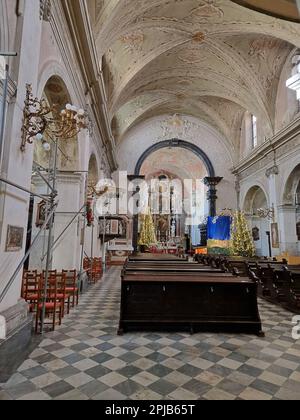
<point>211,59</point>
<point>178,162</point>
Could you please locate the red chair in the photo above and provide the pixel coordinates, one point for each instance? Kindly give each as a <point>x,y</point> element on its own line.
<point>30,288</point>
<point>96,270</point>
<point>53,301</point>
<point>71,284</point>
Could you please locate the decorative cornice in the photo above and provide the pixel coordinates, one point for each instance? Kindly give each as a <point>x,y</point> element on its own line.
<point>78,21</point>
<point>272,171</point>
<point>62,178</point>
<point>284,136</point>
<point>45,10</point>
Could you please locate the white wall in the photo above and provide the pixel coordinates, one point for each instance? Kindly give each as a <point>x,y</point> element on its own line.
<point>275,187</point>
<point>44,50</point>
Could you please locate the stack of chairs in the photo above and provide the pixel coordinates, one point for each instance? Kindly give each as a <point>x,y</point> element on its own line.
<point>58,296</point>
<point>94,269</point>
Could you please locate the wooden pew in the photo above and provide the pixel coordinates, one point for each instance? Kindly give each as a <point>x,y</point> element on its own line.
<point>156,257</point>
<point>279,285</point>
<point>188,299</point>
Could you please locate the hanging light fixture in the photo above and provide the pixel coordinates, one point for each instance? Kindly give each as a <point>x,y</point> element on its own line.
<point>39,119</point>
<point>282,9</point>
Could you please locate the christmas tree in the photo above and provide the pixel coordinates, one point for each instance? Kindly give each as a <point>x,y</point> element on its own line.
<point>147,235</point>
<point>241,238</point>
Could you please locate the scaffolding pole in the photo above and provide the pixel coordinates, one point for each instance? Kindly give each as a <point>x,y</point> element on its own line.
<point>3,111</point>
<point>83,230</point>
<point>64,231</point>
<point>20,266</point>
<point>19,187</point>
<point>45,180</point>
<point>49,246</point>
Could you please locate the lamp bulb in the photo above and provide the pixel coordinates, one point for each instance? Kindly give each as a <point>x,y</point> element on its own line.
<point>46,146</point>
<point>39,136</point>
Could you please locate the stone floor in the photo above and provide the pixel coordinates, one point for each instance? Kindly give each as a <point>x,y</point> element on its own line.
<point>85,359</point>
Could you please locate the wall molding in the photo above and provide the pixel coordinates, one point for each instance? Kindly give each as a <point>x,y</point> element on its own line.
<point>283,143</point>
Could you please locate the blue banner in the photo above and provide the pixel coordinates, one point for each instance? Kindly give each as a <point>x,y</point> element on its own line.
<point>219,232</point>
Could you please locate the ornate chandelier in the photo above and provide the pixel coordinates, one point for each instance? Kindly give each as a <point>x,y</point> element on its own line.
<point>39,119</point>
<point>266,213</point>
<point>282,9</point>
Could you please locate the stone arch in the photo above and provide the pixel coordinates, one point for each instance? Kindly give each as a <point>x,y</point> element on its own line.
<point>178,144</point>
<point>286,106</point>
<point>51,68</point>
<point>255,198</point>
<point>291,186</point>
<point>55,91</point>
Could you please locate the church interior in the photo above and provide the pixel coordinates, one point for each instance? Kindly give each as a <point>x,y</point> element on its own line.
<point>149,200</point>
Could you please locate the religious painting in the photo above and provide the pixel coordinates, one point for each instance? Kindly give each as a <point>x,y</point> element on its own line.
<point>275,236</point>
<point>256,234</point>
<point>41,214</point>
<point>14,239</point>
<point>114,227</point>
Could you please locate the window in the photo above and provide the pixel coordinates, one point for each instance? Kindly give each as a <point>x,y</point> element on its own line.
<point>254,131</point>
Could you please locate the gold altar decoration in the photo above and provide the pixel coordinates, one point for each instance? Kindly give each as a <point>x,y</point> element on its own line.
<point>242,243</point>
<point>147,235</point>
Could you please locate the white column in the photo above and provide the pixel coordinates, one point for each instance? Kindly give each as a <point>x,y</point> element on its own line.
<point>92,244</point>
<point>17,166</point>
<point>274,202</point>
<point>66,254</point>
<point>288,231</point>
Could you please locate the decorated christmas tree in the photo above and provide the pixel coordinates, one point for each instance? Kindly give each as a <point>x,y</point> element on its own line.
<point>147,235</point>
<point>241,238</point>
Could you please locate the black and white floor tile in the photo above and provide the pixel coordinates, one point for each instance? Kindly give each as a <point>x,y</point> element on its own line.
<point>85,359</point>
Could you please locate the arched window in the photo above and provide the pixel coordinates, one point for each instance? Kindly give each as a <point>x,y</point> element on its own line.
<point>254,137</point>
<point>294,81</point>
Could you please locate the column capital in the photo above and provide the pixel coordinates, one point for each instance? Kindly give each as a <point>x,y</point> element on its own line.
<point>132,178</point>
<point>212,181</point>
<point>135,234</point>
<point>287,208</point>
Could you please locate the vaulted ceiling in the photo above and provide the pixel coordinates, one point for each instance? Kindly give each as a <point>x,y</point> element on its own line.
<point>211,59</point>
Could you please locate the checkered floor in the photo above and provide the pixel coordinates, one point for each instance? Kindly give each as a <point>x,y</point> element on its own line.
<point>85,359</point>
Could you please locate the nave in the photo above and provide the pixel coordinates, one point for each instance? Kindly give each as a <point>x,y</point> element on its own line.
<point>85,359</point>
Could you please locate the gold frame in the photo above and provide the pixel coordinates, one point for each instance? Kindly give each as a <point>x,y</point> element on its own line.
<point>14,239</point>
<point>275,236</point>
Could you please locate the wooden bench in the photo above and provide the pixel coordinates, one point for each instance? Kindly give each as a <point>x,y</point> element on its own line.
<point>156,257</point>
<point>187,299</point>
